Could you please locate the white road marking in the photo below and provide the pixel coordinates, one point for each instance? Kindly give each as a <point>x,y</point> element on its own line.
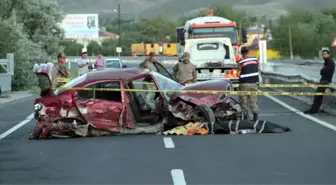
<point>16,127</point>
<point>178,177</point>
<point>168,142</point>
<point>323,123</point>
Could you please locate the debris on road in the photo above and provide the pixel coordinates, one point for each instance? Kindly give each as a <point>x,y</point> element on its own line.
<point>228,127</point>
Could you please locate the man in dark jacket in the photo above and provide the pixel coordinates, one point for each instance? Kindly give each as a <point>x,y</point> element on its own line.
<point>327,73</point>
<point>248,72</point>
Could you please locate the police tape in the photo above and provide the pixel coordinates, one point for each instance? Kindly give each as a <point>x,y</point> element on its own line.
<point>290,85</point>
<point>254,93</point>
<point>64,80</point>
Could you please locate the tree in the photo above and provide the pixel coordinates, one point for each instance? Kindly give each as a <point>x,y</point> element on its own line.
<point>25,53</point>
<point>34,35</point>
<point>93,47</point>
<point>40,20</point>
<point>227,11</point>
<point>71,47</point>
<point>310,31</point>
<point>109,47</point>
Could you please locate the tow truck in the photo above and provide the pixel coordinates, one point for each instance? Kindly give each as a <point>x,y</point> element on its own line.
<point>213,43</point>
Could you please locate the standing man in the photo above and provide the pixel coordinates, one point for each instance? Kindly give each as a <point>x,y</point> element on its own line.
<point>185,72</point>
<point>100,62</point>
<point>248,72</point>
<point>148,63</point>
<point>61,69</point>
<point>326,73</point>
<point>83,64</point>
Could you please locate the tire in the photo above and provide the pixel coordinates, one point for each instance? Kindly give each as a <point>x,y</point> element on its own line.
<point>209,115</point>
<point>243,110</point>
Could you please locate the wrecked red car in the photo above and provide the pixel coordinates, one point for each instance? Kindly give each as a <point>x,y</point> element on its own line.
<point>110,106</point>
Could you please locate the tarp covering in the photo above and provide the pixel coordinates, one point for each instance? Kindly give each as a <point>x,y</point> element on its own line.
<point>247,126</point>
<point>228,127</point>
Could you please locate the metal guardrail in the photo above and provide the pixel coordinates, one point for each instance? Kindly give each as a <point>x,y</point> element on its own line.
<point>271,77</point>
<point>7,66</point>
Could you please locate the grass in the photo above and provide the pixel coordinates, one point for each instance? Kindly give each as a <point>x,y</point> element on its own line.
<point>34,90</point>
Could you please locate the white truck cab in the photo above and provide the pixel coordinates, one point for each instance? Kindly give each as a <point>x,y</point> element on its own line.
<point>214,57</point>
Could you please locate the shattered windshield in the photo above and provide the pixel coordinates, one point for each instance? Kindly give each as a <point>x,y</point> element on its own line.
<point>165,83</point>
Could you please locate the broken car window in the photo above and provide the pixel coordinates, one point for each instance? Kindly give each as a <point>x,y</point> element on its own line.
<point>72,83</point>
<point>165,83</point>
<point>145,83</point>
<point>109,94</point>
<point>163,71</point>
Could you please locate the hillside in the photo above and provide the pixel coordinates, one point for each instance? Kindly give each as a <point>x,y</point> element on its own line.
<point>173,8</point>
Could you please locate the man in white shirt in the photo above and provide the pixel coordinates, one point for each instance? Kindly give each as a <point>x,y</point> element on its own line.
<point>83,64</point>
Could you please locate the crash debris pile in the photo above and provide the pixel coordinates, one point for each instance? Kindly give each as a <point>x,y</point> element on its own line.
<point>188,129</point>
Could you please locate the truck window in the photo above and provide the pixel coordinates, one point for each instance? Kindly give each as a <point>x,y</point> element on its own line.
<point>225,31</point>
<point>227,51</point>
<point>208,46</point>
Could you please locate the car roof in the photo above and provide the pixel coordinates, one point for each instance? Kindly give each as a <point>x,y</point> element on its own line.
<point>113,59</point>
<point>111,74</point>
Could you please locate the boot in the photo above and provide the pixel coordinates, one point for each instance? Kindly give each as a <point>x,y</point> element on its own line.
<point>255,117</point>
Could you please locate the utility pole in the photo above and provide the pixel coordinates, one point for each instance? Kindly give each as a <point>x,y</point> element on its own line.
<point>240,32</point>
<point>290,43</point>
<point>119,23</point>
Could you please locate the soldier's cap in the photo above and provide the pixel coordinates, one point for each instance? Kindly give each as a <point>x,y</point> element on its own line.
<point>186,55</point>
<point>151,54</point>
<point>61,55</point>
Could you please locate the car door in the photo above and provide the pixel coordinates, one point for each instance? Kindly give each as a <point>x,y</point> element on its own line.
<point>101,109</point>
<point>162,70</point>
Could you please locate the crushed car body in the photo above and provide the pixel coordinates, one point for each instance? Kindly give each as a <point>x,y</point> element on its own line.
<point>120,102</point>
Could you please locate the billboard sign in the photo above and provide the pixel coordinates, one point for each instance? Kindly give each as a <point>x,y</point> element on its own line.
<point>79,26</point>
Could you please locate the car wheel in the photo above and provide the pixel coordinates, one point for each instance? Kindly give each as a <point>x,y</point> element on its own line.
<point>205,113</point>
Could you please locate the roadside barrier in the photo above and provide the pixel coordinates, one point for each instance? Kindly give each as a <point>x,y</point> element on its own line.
<point>271,77</point>
<point>254,93</point>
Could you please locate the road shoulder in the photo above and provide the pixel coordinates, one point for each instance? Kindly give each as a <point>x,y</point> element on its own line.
<point>13,96</point>
<point>302,106</point>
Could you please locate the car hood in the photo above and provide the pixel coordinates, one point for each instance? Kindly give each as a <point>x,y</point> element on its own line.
<point>204,98</point>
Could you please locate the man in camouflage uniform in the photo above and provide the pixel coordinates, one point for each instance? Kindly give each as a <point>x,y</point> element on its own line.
<point>248,72</point>
<point>185,72</point>
<point>61,69</point>
<point>148,84</point>
<point>148,63</point>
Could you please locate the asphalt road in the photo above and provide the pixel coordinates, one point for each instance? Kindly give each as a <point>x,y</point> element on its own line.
<point>304,156</point>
